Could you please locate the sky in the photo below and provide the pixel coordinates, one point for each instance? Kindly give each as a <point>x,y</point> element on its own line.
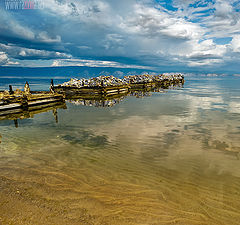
<point>186,35</point>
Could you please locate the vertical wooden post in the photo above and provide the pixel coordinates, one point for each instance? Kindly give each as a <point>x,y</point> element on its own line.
<point>52,86</point>
<point>10,90</point>
<point>16,123</point>
<point>55,115</point>
<point>24,103</point>
<point>27,88</point>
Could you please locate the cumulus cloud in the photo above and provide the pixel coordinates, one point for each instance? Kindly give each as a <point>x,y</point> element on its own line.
<point>206,53</point>
<point>28,53</point>
<point>146,33</point>
<point>3,58</point>
<point>235,43</point>
<point>5,61</point>
<point>152,22</point>
<point>113,41</point>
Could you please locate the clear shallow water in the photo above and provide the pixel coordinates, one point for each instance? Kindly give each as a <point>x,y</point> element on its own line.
<point>171,158</point>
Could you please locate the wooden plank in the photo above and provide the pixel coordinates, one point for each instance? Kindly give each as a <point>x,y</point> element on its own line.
<point>10,106</point>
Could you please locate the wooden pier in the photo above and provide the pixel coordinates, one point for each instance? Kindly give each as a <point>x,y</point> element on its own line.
<point>16,102</point>
<point>25,102</point>
<point>91,91</point>
<point>71,88</point>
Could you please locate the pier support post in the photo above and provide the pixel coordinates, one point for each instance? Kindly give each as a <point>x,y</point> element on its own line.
<point>16,123</point>
<point>55,115</point>
<point>24,103</point>
<point>10,90</point>
<point>27,88</point>
<point>52,86</point>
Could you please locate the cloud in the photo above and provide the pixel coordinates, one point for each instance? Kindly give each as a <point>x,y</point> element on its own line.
<point>44,37</point>
<point>9,26</point>
<point>181,33</point>
<point>93,63</point>
<point>113,41</point>
<point>28,53</point>
<point>152,22</point>
<point>224,21</point>
<point>5,61</point>
<point>84,47</point>
<point>206,53</point>
<point>12,28</point>
<point>55,63</point>
<point>223,9</point>
<point>235,43</point>
<point>3,58</point>
<point>98,12</point>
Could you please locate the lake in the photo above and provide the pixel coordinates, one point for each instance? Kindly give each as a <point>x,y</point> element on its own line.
<point>172,157</point>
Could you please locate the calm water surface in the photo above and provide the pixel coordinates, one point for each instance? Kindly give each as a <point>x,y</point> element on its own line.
<point>170,158</point>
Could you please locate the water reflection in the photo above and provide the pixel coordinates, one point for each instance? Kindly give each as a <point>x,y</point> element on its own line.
<point>109,101</point>
<point>86,138</point>
<point>21,114</point>
<point>169,158</point>
<point>100,101</point>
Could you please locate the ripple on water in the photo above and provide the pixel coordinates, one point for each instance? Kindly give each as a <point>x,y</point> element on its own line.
<point>69,184</point>
<point>172,159</point>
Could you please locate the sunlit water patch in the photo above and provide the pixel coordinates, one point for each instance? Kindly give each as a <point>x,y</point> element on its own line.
<point>170,158</point>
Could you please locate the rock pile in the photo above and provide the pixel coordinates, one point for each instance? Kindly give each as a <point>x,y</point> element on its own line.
<point>101,81</point>
<point>105,81</point>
